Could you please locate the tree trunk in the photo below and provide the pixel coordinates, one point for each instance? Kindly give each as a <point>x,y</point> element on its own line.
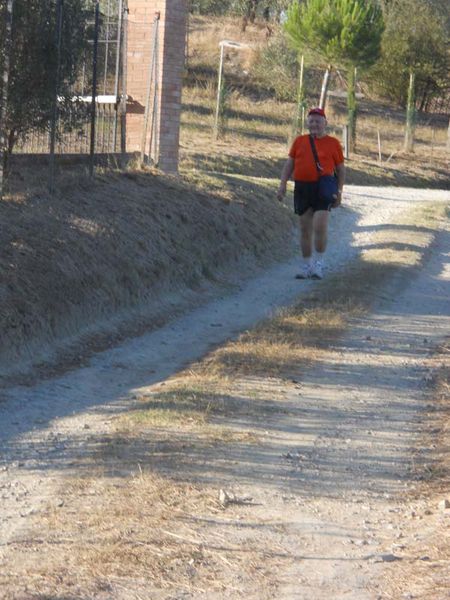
<point>7,47</point>
<point>425,95</point>
<point>410,115</point>
<point>12,139</point>
<point>251,10</point>
<point>325,84</point>
<point>300,121</point>
<point>351,107</point>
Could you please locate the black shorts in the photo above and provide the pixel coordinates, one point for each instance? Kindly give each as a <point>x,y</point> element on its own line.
<point>306,195</point>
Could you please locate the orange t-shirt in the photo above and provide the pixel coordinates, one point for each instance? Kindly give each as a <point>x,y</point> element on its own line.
<point>330,155</point>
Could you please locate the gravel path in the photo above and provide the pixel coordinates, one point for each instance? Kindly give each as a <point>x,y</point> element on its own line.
<point>375,403</point>
<point>43,428</point>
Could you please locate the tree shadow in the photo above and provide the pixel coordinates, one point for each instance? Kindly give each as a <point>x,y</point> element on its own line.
<point>235,164</point>
<point>240,115</point>
<point>385,175</point>
<point>336,446</point>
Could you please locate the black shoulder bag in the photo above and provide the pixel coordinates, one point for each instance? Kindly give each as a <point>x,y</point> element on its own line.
<point>328,186</point>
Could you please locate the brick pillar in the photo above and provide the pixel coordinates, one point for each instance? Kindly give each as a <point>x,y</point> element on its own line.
<point>172,35</point>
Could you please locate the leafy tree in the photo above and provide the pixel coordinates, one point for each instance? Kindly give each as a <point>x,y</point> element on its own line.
<point>415,39</point>
<point>32,76</point>
<point>437,7</point>
<point>214,7</point>
<point>249,8</point>
<point>341,32</point>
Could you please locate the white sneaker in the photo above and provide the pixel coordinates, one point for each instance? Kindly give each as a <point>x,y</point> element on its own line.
<point>305,271</point>
<point>317,270</point>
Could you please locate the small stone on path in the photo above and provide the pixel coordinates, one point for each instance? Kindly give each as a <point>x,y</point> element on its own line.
<point>389,557</point>
<point>444,504</point>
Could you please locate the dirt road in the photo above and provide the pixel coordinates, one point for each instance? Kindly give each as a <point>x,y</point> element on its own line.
<point>330,474</point>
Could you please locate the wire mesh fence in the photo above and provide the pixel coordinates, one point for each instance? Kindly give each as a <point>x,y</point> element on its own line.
<point>73,136</point>
<point>63,65</point>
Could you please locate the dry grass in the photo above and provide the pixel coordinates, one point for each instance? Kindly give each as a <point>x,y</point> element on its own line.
<point>258,131</point>
<point>257,138</point>
<point>181,405</point>
<point>205,33</point>
<point>137,533</point>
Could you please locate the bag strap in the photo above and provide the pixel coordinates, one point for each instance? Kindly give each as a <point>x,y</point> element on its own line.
<point>316,158</point>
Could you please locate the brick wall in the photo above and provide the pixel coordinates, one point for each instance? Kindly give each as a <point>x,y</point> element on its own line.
<point>171,39</point>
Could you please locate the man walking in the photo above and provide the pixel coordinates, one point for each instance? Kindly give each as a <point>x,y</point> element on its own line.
<point>312,208</point>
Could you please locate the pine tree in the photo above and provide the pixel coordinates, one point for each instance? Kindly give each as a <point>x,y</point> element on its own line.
<point>346,33</point>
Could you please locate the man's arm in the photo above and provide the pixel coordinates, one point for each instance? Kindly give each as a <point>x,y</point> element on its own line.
<point>340,172</point>
<point>285,176</point>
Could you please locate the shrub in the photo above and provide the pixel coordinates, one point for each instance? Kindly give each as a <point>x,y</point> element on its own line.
<point>415,39</point>
<point>275,68</point>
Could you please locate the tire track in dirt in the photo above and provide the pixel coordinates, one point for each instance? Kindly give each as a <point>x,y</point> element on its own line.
<point>377,393</point>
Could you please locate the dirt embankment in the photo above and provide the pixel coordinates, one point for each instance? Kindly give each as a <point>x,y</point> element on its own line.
<point>74,263</point>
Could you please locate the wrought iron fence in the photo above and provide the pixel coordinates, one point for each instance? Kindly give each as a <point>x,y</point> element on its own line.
<point>74,134</point>
<point>89,116</point>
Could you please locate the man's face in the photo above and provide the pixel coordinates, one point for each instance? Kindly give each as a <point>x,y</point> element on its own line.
<point>316,125</point>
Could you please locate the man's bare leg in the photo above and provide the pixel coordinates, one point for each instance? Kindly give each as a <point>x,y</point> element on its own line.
<point>306,243</point>
<point>320,229</point>
<point>306,233</point>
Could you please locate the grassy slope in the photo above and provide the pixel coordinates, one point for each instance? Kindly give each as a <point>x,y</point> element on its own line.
<point>101,247</point>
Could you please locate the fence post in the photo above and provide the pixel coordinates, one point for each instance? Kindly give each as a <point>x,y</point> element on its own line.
<point>380,158</point>
<point>117,86</point>
<point>410,114</point>
<point>123,98</point>
<point>351,103</point>
<point>324,89</point>
<point>219,92</point>
<point>105,72</point>
<point>154,141</point>
<point>186,48</point>
<point>5,85</point>
<point>301,98</point>
<point>94,88</point>
<point>54,116</point>
<point>345,140</point>
<point>153,57</point>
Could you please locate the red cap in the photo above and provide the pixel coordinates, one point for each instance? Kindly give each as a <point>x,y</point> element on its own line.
<point>317,111</point>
